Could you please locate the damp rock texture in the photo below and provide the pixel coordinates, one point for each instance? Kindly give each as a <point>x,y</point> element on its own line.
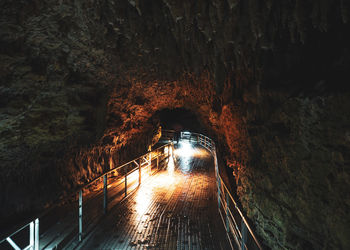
<point>293,181</point>
<point>81,83</point>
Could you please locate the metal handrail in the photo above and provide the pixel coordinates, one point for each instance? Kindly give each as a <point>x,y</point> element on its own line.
<point>240,213</point>
<point>121,166</point>
<point>168,134</point>
<point>203,140</point>
<point>139,165</point>
<point>34,225</point>
<point>33,236</point>
<point>240,238</point>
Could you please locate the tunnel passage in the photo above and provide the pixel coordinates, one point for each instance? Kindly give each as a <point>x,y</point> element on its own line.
<point>175,208</point>
<point>179,119</point>
<point>275,64</point>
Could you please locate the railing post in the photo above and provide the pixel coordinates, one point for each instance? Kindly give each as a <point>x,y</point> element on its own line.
<point>36,234</point>
<point>31,235</point>
<point>140,172</point>
<point>173,152</point>
<point>244,235</point>
<point>105,194</point>
<point>80,214</point>
<point>150,159</point>
<point>219,190</point>
<point>126,182</point>
<point>227,211</point>
<point>157,162</point>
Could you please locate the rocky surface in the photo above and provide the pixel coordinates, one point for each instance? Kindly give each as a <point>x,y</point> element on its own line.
<point>81,83</point>
<point>293,181</point>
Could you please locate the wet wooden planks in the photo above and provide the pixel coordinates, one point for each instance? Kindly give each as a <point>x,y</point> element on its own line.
<point>175,209</point>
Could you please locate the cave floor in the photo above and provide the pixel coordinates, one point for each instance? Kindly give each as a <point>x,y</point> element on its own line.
<point>174,209</point>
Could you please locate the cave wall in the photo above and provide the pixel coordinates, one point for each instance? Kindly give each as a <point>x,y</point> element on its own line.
<point>81,81</point>
<point>293,174</point>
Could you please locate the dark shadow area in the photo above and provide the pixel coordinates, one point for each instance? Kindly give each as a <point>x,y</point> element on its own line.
<point>179,119</point>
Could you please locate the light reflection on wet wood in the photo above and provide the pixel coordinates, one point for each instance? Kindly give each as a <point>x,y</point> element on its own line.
<point>175,209</point>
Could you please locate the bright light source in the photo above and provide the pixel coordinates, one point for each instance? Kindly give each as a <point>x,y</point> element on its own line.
<point>143,200</point>
<point>171,166</point>
<point>163,180</point>
<point>185,150</point>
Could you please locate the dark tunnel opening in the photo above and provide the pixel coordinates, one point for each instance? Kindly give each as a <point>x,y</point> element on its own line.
<point>179,119</point>
<point>182,119</point>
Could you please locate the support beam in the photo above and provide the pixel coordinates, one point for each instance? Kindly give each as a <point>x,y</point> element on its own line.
<point>140,171</point>
<point>36,234</point>
<point>219,190</point>
<point>13,244</point>
<point>80,215</point>
<point>227,213</point>
<point>244,235</point>
<point>150,159</point>
<point>31,235</point>
<point>145,159</point>
<point>126,182</point>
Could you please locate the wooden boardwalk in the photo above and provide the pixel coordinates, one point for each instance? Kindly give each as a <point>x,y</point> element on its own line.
<point>174,209</point>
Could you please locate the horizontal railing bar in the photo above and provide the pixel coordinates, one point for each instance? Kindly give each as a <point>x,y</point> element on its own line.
<point>237,238</point>
<point>96,179</point>
<point>223,221</point>
<point>144,163</point>
<point>233,219</point>
<point>224,185</point>
<point>119,167</point>
<point>131,171</point>
<point>210,145</point>
<point>240,213</point>
<point>168,130</point>
<point>23,227</point>
<point>223,204</point>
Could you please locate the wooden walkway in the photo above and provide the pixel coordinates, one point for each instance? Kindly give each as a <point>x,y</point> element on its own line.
<point>174,209</point>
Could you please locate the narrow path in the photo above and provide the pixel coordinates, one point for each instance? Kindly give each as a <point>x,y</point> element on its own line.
<point>174,209</point>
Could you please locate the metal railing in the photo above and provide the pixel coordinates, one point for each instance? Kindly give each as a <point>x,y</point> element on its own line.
<point>33,236</point>
<point>168,134</point>
<point>121,175</point>
<point>237,227</point>
<point>129,174</point>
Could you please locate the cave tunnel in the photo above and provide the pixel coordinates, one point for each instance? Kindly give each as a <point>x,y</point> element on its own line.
<point>91,92</point>
<point>179,119</point>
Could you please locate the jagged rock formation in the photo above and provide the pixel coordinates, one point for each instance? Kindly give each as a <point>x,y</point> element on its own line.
<point>81,80</point>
